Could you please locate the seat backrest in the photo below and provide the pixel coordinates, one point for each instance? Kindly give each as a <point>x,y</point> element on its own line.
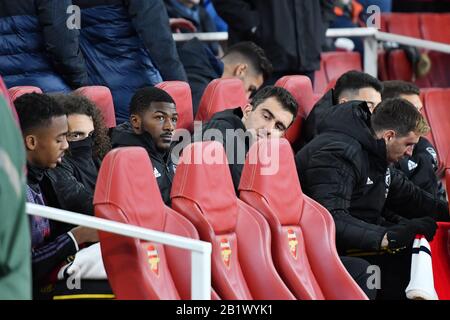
<point>303,232</point>
<point>101,96</point>
<point>240,242</point>
<point>4,92</point>
<point>181,94</point>
<point>219,95</point>
<point>320,78</point>
<point>127,192</point>
<point>438,114</point>
<point>435,27</point>
<point>301,89</point>
<point>405,24</point>
<point>338,63</point>
<point>16,92</point>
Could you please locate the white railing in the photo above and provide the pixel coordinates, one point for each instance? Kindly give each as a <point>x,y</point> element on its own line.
<point>201,251</point>
<point>371,37</point>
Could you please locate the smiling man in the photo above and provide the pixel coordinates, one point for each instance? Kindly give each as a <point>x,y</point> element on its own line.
<point>153,118</point>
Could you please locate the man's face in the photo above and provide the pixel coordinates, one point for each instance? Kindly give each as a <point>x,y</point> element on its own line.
<point>268,120</point>
<point>414,99</point>
<point>399,147</point>
<point>80,126</point>
<point>371,96</point>
<point>46,146</point>
<point>160,120</point>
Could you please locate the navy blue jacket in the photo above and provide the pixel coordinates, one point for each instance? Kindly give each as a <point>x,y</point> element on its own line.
<point>127,45</point>
<point>36,47</point>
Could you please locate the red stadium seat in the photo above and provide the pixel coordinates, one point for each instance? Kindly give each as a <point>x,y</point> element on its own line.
<point>241,260</point>
<point>181,93</point>
<point>301,88</point>
<point>102,98</point>
<point>435,27</point>
<point>303,231</point>
<point>338,63</point>
<point>385,17</point>
<point>16,92</point>
<point>440,249</point>
<point>437,111</point>
<point>219,95</point>
<point>320,79</point>
<point>405,24</point>
<point>127,192</point>
<point>4,92</point>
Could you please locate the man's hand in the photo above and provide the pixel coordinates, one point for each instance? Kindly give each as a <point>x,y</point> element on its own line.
<point>84,235</point>
<point>402,235</point>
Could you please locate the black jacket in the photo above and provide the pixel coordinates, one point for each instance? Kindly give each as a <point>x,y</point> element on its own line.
<point>345,169</point>
<point>201,68</point>
<point>233,137</point>
<point>163,167</point>
<point>421,168</point>
<point>290,31</point>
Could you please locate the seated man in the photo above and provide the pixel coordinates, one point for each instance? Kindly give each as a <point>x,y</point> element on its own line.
<point>352,85</point>
<point>422,165</point>
<point>346,168</point>
<point>44,130</point>
<point>87,137</point>
<point>270,114</point>
<point>245,61</point>
<point>153,118</point>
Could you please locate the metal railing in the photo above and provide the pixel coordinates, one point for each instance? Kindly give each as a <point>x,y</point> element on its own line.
<point>201,251</point>
<point>371,37</point>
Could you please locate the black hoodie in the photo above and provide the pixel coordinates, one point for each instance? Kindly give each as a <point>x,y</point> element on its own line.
<point>163,167</point>
<point>345,169</point>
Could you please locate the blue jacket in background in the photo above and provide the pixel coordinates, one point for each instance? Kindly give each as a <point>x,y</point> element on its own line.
<point>36,47</point>
<point>127,45</point>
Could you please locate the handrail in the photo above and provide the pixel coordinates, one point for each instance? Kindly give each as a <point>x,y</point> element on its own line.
<point>371,37</point>
<point>201,251</point>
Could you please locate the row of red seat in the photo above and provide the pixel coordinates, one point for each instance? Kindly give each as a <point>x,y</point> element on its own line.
<point>428,26</point>
<point>271,243</point>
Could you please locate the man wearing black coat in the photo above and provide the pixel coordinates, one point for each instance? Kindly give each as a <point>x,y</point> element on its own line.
<point>153,119</point>
<point>422,166</point>
<point>347,168</point>
<point>291,32</point>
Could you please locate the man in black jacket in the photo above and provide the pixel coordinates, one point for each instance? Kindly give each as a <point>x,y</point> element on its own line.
<point>291,32</point>
<point>421,167</point>
<point>352,85</point>
<point>153,118</point>
<point>44,129</point>
<point>270,114</point>
<point>245,61</point>
<point>346,168</point>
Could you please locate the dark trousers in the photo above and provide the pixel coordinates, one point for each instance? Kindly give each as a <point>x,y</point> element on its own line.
<point>395,274</point>
<point>358,269</point>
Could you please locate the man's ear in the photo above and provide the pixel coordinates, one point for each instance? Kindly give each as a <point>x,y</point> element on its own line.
<point>240,69</point>
<point>246,111</point>
<point>342,100</point>
<point>30,142</point>
<point>388,135</point>
<point>136,123</point>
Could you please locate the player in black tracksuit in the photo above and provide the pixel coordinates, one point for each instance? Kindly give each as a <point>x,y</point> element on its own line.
<point>348,170</point>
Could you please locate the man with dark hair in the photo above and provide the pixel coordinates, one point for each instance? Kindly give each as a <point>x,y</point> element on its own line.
<point>153,118</point>
<point>270,114</point>
<point>44,130</point>
<point>245,61</point>
<point>421,167</point>
<point>346,168</point>
<point>352,85</point>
